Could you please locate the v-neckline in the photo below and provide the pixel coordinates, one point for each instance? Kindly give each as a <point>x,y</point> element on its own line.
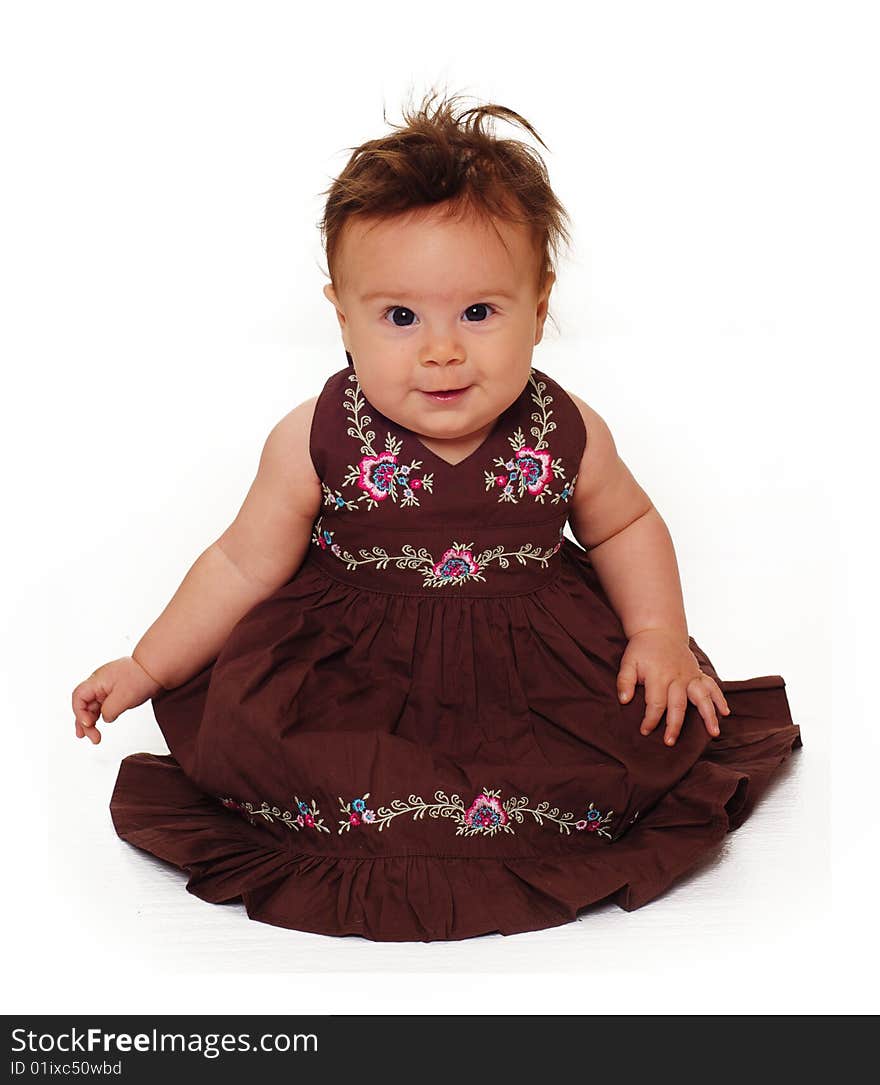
<point>470,455</point>
<point>392,425</point>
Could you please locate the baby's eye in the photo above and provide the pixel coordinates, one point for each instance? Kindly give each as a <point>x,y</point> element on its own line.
<point>479,310</point>
<point>406,322</point>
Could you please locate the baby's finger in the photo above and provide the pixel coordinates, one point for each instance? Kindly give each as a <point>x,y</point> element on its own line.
<point>80,698</point>
<point>626,681</point>
<point>718,697</point>
<point>85,727</point>
<point>655,702</point>
<point>699,694</point>
<point>85,719</point>
<point>84,702</point>
<point>677,697</point>
<point>94,735</point>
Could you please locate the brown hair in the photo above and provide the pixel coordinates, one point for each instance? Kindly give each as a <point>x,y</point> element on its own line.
<point>441,155</point>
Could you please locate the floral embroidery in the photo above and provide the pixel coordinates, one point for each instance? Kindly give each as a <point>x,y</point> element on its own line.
<point>378,474</point>
<point>457,565</point>
<point>307,817</point>
<point>531,468</point>
<point>486,815</point>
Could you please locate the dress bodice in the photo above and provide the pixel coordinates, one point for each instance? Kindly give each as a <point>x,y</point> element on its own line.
<point>398,518</point>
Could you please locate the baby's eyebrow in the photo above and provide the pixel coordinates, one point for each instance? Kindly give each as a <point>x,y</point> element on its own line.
<point>376,294</point>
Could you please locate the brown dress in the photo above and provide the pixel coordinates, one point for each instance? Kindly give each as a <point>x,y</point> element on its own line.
<point>418,737</point>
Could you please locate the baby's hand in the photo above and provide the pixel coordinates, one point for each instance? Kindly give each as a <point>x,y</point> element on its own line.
<point>671,674</point>
<point>108,692</point>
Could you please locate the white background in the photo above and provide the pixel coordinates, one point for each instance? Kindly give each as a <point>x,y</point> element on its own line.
<point>161,283</point>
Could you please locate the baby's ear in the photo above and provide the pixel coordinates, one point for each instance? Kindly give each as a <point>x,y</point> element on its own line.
<point>331,296</point>
<point>543,305</point>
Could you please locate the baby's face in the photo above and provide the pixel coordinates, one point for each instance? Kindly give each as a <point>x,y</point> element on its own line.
<point>428,304</point>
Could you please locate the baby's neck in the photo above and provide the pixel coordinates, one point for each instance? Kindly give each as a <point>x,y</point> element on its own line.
<point>456,449</point>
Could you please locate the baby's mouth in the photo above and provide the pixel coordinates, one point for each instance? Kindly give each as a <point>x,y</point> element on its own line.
<point>442,397</point>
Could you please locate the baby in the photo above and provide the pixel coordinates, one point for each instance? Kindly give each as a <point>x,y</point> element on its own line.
<point>301,660</point>
<point>442,307</point>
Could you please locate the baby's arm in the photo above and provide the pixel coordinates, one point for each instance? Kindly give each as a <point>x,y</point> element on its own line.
<point>630,546</point>
<point>260,550</point>
<point>631,550</point>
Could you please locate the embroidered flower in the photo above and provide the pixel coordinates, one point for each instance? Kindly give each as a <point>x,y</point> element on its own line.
<point>535,468</point>
<point>485,812</point>
<point>335,498</point>
<point>532,467</point>
<point>377,474</point>
<point>354,809</point>
<point>308,816</point>
<point>456,565</point>
<point>594,821</point>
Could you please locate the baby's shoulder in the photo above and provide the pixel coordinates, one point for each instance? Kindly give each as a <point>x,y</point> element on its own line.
<point>585,411</point>
<point>599,446</point>
<point>290,439</point>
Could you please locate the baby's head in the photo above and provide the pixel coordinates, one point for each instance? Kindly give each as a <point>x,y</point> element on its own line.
<point>441,241</point>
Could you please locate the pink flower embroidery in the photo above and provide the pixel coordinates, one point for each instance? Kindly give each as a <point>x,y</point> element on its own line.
<point>595,821</point>
<point>535,467</point>
<point>377,473</point>
<point>485,812</point>
<point>456,564</point>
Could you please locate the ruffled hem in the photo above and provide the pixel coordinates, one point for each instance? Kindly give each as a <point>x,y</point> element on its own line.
<point>420,897</point>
